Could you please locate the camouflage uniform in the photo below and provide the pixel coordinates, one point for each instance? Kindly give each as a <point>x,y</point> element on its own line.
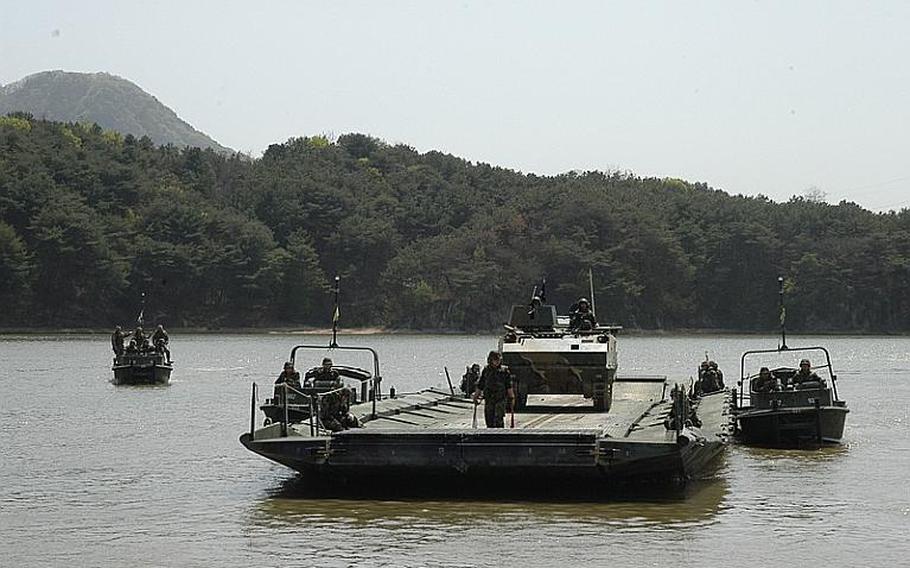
<point>495,383</point>
<point>335,411</point>
<point>160,340</point>
<point>292,379</point>
<point>325,378</point>
<point>469,380</point>
<point>582,318</point>
<point>805,375</point>
<point>117,341</point>
<point>765,382</point>
<point>710,378</point>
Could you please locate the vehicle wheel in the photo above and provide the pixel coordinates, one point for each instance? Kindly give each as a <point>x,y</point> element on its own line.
<point>267,421</point>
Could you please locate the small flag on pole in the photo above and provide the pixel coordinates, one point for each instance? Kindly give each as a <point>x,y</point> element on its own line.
<point>337,315</point>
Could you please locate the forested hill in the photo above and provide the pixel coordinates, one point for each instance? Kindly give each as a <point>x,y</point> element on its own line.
<point>111,101</point>
<point>89,219</point>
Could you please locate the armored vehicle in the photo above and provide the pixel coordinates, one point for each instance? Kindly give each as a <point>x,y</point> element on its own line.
<point>777,409</point>
<point>548,356</point>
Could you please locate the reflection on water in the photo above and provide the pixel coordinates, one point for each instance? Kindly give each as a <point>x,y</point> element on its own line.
<point>698,502</point>
<point>105,475</point>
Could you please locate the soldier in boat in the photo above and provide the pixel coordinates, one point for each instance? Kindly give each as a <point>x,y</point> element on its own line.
<point>495,385</point>
<point>117,339</point>
<point>325,376</point>
<point>469,379</point>
<point>582,318</point>
<point>766,382</point>
<point>139,341</point>
<point>160,340</point>
<point>289,376</point>
<point>805,374</point>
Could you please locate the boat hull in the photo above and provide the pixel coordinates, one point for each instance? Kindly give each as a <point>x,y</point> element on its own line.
<point>142,374</point>
<point>792,426</point>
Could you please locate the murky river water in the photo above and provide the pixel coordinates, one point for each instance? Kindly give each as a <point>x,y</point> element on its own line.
<point>94,474</point>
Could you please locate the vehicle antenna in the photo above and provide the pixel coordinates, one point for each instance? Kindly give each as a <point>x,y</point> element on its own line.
<point>783,315</point>
<point>532,308</point>
<point>336,315</point>
<point>543,291</point>
<point>141,318</point>
<point>591,287</point>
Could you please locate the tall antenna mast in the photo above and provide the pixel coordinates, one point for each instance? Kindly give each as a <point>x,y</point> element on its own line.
<point>783,315</point>
<point>140,320</point>
<point>336,315</point>
<point>591,287</point>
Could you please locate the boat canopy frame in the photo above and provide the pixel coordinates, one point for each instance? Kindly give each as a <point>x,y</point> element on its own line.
<point>744,378</point>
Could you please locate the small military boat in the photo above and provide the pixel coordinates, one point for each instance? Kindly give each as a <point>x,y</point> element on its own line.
<point>295,403</point>
<point>140,357</point>
<point>644,431</point>
<point>776,408</point>
<point>786,406</point>
<point>141,363</point>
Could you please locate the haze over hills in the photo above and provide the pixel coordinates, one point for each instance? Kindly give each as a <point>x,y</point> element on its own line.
<point>112,102</point>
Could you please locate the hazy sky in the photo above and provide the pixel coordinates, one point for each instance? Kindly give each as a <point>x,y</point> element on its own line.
<point>750,97</point>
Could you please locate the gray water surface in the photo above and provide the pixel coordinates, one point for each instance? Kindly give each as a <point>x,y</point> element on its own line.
<point>94,474</point>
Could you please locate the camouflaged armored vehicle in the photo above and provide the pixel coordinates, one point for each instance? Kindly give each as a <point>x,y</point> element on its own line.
<point>547,356</point>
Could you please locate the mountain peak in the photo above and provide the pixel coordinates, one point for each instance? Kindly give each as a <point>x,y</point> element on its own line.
<point>113,102</point>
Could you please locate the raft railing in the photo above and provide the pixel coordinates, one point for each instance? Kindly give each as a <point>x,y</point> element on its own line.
<point>315,403</point>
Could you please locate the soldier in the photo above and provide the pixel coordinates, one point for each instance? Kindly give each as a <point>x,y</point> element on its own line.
<point>329,412</point>
<point>715,378</point>
<point>495,385</point>
<point>805,374</point>
<point>765,381</point>
<point>160,340</point>
<point>139,341</point>
<point>335,411</point>
<point>469,379</point>
<point>710,379</point>
<point>117,340</point>
<point>582,318</point>
<point>325,376</point>
<point>289,376</point>
<point>719,374</point>
<point>347,419</point>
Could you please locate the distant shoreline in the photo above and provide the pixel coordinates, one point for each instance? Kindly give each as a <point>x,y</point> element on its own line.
<point>397,331</point>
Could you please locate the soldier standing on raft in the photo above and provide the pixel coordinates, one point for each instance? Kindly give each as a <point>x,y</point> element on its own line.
<point>469,379</point>
<point>495,385</point>
<point>710,378</point>
<point>117,340</point>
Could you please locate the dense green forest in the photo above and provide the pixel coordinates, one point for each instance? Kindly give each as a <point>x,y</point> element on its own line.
<point>89,219</point>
